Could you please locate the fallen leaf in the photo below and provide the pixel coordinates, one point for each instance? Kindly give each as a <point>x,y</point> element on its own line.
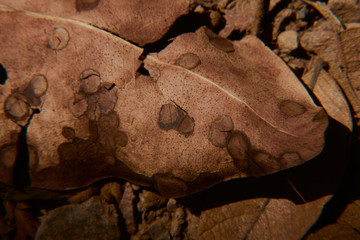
<point>105,122</point>
<point>328,92</point>
<point>140,22</point>
<point>346,227</point>
<point>93,219</point>
<point>339,49</point>
<point>261,218</point>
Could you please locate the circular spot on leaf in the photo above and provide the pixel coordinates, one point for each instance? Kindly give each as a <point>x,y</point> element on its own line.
<point>169,116</point>
<point>263,163</point>
<point>238,148</point>
<point>220,130</point>
<point>188,61</point>
<point>90,81</point>
<point>68,133</point>
<point>59,39</point>
<point>16,107</point>
<point>121,138</point>
<point>84,5</point>
<point>77,107</point>
<point>187,125</point>
<point>291,108</point>
<point>38,85</point>
<point>290,159</point>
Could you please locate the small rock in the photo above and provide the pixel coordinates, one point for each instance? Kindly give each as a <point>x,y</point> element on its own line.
<point>288,41</point>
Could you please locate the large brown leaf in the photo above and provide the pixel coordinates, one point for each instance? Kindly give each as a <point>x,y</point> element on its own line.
<point>212,110</point>
<point>138,21</point>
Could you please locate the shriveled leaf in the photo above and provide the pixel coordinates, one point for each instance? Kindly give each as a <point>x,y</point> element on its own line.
<point>93,219</point>
<point>328,92</point>
<point>346,228</point>
<point>210,111</point>
<point>141,22</point>
<point>259,219</point>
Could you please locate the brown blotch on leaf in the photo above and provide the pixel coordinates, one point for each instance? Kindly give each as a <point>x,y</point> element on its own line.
<point>84,5</point>
<point>8,154</point>
<point>121,138</point>
<point>187,125</point>
<point>263,163</point>
<point>16,107</point>
<point>321,115</point>
<point>238,148</point>
<point>170,116</point>
<point>291,108</point>
<point>90,81</point>
<point>38,85</point>
<point>68,133</point>
<point>290,159</point>
<point>220,43</point>
<point>107,100</point>
<point>58,39</point>
<point>220,130</point>
<point>77,107</point>
<point>188,61</point>
<point>205,180</point>
<point>108,122</point>
<point>170,186</point>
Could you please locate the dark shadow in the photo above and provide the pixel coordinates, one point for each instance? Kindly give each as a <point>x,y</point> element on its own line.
<point>21,170</point>
<point>314,179</point>
<point>3,75</point>
<point>184,24</point>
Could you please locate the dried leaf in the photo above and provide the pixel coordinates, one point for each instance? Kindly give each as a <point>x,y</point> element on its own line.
<point>329,93</point>
<point>93,219</point>
<point>346,228</point>
<point>259,219</point>
<point>105,122</point>
<point>340,50</point>
<point>141,22</point>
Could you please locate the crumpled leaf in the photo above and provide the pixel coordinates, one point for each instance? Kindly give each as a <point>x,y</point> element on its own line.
<point>210,111</point>
<point>140,22</point>
<point>260,218</point>
<point>346,227</point>
<point>93,219</point>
